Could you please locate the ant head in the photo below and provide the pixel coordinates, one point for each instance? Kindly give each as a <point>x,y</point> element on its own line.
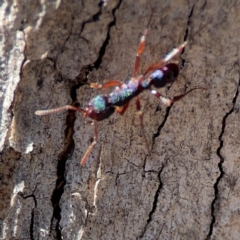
<point>170,72</point>
<point>165,75</point>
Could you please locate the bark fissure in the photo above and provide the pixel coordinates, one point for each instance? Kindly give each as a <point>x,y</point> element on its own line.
<point>155,202</point>
<point>32,223</point>
<point>93,18</point>
<point>157,134</point>
<point>204,5</point>
<point>220,164</point>
<point>98,62</point>
<point>186,34</point>
<point>31,229</point>
<point>188,23</point>
<point>61,181</point>
<point>69,35</point>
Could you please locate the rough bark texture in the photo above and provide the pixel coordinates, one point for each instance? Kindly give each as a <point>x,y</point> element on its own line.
<point>186,187</point>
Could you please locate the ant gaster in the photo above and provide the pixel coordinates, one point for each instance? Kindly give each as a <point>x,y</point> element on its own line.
<point>103,106</point>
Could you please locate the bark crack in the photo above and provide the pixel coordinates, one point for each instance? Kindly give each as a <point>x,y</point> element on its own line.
<point>31,230</point>
<point>155,201</point>
<point>188,23</point>
<point>186,34</point>
<point>220,164</point>
<point>69,35</point>
<point>61,181</point>
<point>157,134</point>
<point>93,18</point>
<point>102,50</point>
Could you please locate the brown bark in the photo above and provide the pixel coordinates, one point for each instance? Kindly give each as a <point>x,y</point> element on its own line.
<point>186,187</point>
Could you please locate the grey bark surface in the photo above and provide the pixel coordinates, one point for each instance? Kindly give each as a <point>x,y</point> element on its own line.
<point>186,187</point>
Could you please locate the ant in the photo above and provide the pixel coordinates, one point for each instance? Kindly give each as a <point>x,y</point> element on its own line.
<point>103,106</point>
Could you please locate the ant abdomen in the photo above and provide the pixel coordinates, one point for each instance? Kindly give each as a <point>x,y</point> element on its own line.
<point>99,108</point>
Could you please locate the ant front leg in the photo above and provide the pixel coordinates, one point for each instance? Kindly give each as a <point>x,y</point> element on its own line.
<point>169,101</point>
<point>141,48</point>
<point>121,110</point>
<point>168,57</point>
<point>112,83</point>
<point>139,52</point>
<point>85,157</point>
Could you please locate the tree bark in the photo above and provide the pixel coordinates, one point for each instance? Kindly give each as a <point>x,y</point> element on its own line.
<point>185,187</point>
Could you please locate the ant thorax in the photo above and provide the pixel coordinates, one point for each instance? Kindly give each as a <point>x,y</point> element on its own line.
<point>124,93</point>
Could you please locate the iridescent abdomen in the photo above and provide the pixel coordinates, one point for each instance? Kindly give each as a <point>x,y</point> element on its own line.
<point>99,108</point>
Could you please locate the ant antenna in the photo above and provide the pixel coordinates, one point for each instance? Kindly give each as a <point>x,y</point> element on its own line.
<point>150,19</point>
<point>199,30</point>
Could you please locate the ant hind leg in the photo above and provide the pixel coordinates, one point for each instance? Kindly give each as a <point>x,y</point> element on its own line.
<point>169,101</point>
<point>140,114</point>
<point>85,157</point>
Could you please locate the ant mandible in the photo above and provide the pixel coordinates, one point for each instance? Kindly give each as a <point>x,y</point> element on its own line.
<point>104,105</point>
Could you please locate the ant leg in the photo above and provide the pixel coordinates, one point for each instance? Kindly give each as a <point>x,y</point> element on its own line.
<point>139,52</point>
<point>140,114</point>
<point>141,47</point>
<point>121,110</point>
<point>169,101</point>
<point>85,157</point>
<point>167,58</point>
<point>112,83</point>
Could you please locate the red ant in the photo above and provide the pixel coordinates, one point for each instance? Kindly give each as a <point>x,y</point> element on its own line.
<point>103,106</point>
